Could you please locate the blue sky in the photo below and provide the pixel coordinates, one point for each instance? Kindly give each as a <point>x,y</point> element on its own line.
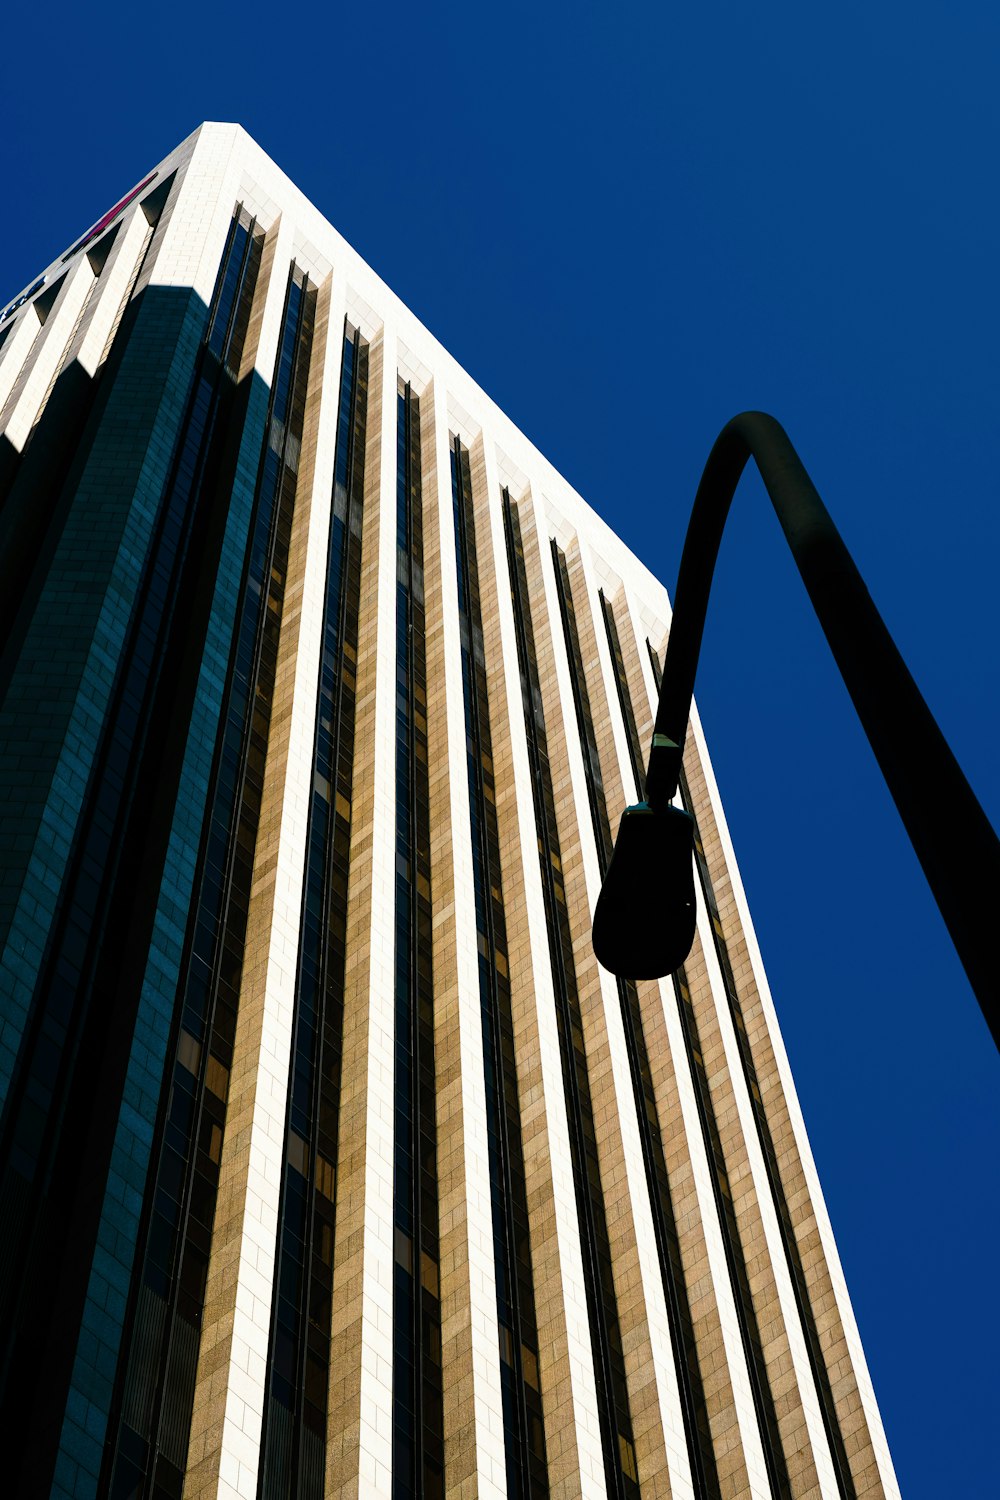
<point>629,225</point>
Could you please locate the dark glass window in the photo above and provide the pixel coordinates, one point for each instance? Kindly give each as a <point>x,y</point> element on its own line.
<point>294,1432</point>
<point>418,1431</point>
<point>156,1379</point>
<point>527,1473</point>
<point>609,1365</point>
<point>698,1438</point>
<point>63,1107</point>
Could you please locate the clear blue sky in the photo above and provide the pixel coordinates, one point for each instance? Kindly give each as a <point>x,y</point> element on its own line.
<point>629,226</point>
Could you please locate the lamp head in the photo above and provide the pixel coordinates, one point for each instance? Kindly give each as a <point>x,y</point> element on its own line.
<point>645,918</point>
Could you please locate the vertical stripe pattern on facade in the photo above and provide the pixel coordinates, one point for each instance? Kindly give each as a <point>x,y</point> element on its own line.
<point>98,1347</point>
<point>519,1367</point>
<point>750,1334</point>
<point>418,1433</point>
<point>573,1440</point>
<point>332,1163</point>
<point>696,1426</point>
<point>88,979</point>
<point>293,1441</point>
<point>817,1361</point>
<point>158,1380</point>
<point>71,653</point>
<point>616,1424</point>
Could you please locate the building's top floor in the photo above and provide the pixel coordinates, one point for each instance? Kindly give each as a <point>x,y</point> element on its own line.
<point>219,165</point>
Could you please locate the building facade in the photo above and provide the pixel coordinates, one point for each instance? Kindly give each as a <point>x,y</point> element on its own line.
<point>333,1164</point>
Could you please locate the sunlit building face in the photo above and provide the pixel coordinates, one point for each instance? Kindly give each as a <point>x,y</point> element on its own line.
<point>332,1162</point>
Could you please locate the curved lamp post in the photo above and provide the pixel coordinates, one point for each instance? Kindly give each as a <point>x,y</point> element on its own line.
<point>645,918</point>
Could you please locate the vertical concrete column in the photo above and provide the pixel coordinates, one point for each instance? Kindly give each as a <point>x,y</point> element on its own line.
<point>800,1425</point>
<point>473,1404</point>
<point>35,378</point>
<point>569,1397</point>
<point>190,236</point>
<point>359,1446</point>
<point>91,343</point>
<point>712,1316</point>
<point>99,1345</point>
<point>738,1448</point>
<point>231,1384</point>
<point>15,353</point>
<point>850,1387</point>
<point>803,1437</point>
<point>857,1408</point>
<point>626,1203</point>
<point>616,770</point>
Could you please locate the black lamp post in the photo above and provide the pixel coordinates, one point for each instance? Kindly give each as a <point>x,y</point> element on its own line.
<point>645,918</point>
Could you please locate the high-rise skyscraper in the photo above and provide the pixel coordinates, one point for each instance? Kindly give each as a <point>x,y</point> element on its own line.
<point>332,1163</point>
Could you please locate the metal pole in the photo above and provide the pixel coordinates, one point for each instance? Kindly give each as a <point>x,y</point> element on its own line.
<point>956,846</point>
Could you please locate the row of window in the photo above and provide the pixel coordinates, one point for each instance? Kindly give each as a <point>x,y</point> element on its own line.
<point>293,1440</point>
<point>746,1315</point>
<point>620,1467</point>
<point>700,1447</point>
<point>817,1362</point>
<point>156,1384</point>
<point>62,1110</point>
<point>156,1379</point>
<point>524,1437</point>
<point>698,1437</point>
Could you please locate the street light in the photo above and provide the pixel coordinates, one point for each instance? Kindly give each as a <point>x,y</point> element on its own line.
<point>645,918</point>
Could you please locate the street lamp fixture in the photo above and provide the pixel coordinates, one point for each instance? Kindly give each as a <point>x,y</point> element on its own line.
<point>645,919</point>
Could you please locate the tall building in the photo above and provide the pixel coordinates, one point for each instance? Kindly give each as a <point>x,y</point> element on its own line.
<point>332,1163</point>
